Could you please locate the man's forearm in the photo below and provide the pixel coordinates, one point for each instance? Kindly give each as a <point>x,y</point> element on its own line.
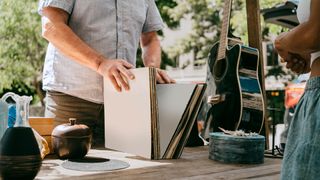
<point>62,37</point>
<point>151,53</point>
<point>151,50</point>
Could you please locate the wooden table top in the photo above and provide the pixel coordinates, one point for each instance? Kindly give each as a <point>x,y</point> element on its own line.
<point>194,164</point>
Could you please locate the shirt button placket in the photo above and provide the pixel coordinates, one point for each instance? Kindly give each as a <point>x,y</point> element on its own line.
<point>120,28</point>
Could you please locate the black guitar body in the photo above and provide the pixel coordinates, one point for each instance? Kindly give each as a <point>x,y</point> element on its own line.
<point>226,113</point>
<point>235,84</point>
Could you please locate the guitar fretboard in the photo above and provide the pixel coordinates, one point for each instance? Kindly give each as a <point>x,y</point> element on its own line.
<point>224,30</point>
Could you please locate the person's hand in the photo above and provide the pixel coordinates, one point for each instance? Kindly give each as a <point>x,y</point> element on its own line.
<point>117,70</point>
<point>162,77</point>
<point>298,63</point>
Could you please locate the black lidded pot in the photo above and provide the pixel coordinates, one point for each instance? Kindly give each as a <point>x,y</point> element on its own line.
<point>19,154</point>
<point>71,140</point>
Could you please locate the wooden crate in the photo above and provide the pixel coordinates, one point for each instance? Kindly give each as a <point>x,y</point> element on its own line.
<point>44,127</point>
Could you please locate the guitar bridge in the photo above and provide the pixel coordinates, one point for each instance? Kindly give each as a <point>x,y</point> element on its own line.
<point>215,99</point>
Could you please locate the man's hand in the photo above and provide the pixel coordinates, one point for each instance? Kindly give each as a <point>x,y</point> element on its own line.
<point>151,55</point>
<point>117,70</point>
<point>163,78</point>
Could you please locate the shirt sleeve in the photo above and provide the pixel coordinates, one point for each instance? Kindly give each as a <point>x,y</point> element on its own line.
<point>66,5</point>
<point>153,19</point>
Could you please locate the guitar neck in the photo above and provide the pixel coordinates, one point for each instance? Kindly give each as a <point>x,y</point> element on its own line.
<point>224,30</point>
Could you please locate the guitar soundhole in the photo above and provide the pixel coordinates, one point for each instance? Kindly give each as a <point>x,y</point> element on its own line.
<point>220,69</point>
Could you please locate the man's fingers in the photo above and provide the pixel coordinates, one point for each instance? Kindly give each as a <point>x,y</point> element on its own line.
<point>127,73</point>
<point>159,78</point>
<point>164,76</point>
<point>114,83</point>
<point>121,81</point>
<point>126,64</point>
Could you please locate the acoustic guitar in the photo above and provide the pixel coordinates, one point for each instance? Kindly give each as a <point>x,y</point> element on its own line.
<point>234,91</point>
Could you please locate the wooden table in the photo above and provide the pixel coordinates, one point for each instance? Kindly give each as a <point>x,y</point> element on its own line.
<point>194,164</point>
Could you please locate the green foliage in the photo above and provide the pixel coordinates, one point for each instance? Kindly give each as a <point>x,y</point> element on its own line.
<point>172,23</point>
<point>164,8</point>
<point>22,49</point>
<point>21,88</point>
<point>205,19</point>
<point>205,16</point>
<point>239,15</point>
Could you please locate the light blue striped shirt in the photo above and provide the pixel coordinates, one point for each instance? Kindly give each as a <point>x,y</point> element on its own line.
<point>112,27</point>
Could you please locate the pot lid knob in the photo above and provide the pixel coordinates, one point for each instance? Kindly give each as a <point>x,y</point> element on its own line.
<point>72,121</point>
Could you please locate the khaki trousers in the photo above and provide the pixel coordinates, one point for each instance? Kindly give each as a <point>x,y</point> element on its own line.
<point>61,107</point>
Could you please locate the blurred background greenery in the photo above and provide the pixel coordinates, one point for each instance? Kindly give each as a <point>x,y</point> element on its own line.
<point>22,49</point>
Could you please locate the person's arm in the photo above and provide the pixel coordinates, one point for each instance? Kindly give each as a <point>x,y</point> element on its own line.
<point>151,55</point>
<point>56,31</point>
<point>151,50</point>
<point>303,39</point>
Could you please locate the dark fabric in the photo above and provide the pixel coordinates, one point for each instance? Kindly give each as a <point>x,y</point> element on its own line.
<point>194,139</point>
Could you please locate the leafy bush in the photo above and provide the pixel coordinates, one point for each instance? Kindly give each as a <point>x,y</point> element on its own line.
<point>22,49</point>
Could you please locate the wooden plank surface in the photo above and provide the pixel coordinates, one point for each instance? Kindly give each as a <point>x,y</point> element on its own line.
<point>194,164</point>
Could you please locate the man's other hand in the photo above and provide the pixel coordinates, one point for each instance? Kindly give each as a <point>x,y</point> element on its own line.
<point>163,78</point>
